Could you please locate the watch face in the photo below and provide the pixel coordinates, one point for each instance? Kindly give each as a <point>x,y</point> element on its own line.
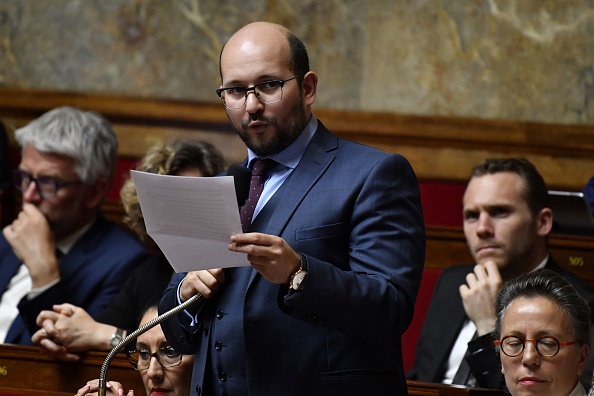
<point>298,280</point>
<point>115,341</point>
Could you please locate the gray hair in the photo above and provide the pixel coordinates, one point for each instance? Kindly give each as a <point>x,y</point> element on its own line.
<point>548,284</point>
<point>84,136</point>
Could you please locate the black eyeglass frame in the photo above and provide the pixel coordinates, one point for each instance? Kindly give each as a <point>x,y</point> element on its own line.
<point>56,185</point>
<point>134,361</point>
<point>500,343</point>
<point>253,88</point>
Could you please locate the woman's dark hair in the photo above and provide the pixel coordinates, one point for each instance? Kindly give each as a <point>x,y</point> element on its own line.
<point>152,304</point>
<point>548,284</point>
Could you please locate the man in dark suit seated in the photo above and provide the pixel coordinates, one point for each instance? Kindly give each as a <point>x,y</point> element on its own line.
<point>506,224</point>
<point>60,248</point>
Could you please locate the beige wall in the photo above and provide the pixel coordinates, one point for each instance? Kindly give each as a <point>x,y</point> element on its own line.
<point>524,60</point>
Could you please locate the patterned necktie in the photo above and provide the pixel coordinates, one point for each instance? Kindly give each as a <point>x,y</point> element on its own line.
<point>259,175</point>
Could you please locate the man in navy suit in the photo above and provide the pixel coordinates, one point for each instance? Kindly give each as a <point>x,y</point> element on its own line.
<point>336,247</point>
<point>60,248</point>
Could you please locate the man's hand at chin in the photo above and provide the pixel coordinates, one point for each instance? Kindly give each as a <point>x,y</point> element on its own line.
<point>479,294</point>
<point>32,241</point>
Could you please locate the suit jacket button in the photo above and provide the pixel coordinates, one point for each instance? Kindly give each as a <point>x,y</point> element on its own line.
<point>220,314</point>
<point>222,376</point>
<point>183,340</point>
<point>198,390</point>
<point>218,345</point>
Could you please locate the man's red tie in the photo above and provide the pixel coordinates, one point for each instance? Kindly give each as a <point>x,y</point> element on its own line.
<point>259,175</point>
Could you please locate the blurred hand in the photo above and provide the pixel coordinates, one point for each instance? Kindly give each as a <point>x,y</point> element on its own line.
<point>205,282</point>
<point>69,329</point>
<point>31,240</point>
<point>112,388</point>
<point>479,294</point>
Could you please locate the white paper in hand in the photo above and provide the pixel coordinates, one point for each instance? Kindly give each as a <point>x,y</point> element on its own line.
<point>191,219</point>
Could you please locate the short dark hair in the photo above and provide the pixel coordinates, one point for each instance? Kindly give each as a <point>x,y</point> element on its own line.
<point>535,192</point>
<point>548,284</point>
<point>299,57</point>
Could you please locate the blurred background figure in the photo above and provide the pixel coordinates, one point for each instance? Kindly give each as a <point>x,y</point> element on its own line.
<point>542,334</point>
<point>164,371</point>
<point>4,160</point>
<point>60,248</point>
<point>68,330</point>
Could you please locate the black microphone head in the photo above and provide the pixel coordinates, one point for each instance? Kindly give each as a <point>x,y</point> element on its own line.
<point>242,177</point>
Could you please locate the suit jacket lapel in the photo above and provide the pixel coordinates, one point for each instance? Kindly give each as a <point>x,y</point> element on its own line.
<point>77,256</point>
<point>277,212</point>
<point>8,269</point>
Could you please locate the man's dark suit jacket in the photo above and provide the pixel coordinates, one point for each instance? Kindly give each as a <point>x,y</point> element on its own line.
<point>145,286</point>
<point>355,213</point>
<point>91,274</point>
<point>444,320</point>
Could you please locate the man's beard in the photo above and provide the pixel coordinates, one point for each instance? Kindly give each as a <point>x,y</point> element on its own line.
<point>284,135</point>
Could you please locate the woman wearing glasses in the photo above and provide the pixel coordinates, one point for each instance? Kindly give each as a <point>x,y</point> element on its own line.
<point>543,331</point>
<point>164,371</point>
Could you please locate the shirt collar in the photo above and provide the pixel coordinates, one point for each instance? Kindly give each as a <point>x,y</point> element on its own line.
<point>292,154</point>
<point>67,243</point>
<point>578,390</point>
<point>542,263</point>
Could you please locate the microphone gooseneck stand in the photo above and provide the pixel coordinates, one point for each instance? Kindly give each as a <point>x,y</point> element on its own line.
<point>136,333</point>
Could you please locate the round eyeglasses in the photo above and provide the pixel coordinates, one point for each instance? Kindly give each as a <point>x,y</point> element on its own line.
<point>46,187</point>
<point>546,346</point>
<point>166,356</point>
<point>267,92</point>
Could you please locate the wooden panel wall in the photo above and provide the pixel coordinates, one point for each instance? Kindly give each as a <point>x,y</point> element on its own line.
<point>439,148</point>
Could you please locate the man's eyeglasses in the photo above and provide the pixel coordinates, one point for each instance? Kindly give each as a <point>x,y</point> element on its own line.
<point>547,346</point>
<point>166,356</point>
<point>46,187</point>
<point>267,92</point>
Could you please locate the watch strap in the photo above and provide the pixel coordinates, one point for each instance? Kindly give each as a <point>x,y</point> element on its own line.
<point>116,337</point>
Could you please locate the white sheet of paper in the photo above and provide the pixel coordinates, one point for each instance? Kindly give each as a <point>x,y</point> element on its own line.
<point>191,219</point>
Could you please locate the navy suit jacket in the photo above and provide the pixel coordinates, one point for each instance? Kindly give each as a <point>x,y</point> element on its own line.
<point>444,320</point>
<point>355,213</point>
<point>91,274</point>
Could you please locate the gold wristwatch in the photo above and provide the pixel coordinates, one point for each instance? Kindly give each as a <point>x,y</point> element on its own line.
<point>297,281</point>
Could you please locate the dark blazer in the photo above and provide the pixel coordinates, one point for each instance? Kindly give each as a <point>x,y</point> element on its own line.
<point>355,213</point>
<point>444,320</point>
<point>143,287</point>
<point>91,274</point>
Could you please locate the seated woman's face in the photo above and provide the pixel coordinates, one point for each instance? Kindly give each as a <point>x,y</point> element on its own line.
<point>530,373</point>
<point>171,381</point>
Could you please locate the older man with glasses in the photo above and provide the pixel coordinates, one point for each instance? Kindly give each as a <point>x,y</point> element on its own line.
<point>60,248</point>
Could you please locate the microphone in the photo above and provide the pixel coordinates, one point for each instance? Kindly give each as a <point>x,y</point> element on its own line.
<point>242,177</point>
